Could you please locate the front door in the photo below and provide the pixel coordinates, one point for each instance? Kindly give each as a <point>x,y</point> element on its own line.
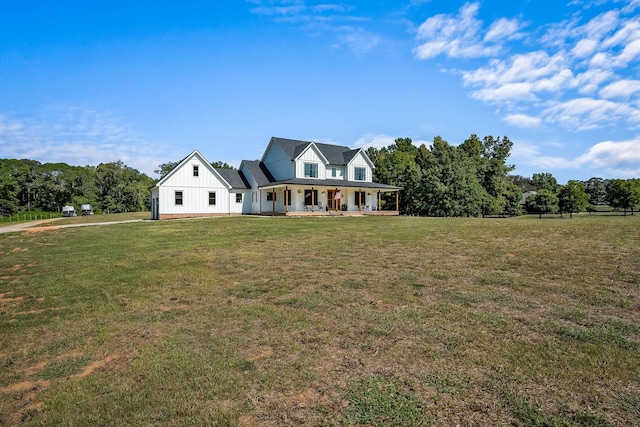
<point>332,203</point>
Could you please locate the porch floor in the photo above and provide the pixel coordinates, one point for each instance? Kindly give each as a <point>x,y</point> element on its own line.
<point>332,213</point>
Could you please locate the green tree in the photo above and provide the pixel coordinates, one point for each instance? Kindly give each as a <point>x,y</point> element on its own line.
<point>489,157</point>
<point>597,191</point>
<point>122,188</point>
<point>545,181</point>
<point>221,165</point>
<point>522,182</point>
<point>572,198</point>
<point>449,184</point>
<point>543,202</point>
<point>624,194</point>
<point>165,168</point>
<point>396,165</point>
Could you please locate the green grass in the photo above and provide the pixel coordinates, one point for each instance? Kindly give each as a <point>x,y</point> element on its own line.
<point>322,321</point>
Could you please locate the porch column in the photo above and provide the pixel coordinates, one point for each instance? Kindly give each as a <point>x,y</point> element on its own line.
<point>397,201</point>
<point>273,200</point>
<point>336,202</point>
<point>378,200</point>
<point>286,199</point>
<point>313,201</point>
<point>359,199</point>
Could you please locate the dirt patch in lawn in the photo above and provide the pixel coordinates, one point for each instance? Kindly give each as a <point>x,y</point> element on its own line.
<point>116,357</point>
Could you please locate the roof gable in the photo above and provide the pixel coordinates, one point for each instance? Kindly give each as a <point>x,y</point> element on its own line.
<point>185,161</point>
<point>354,154</point>
<point>312,146</point>
<point>338,155</point>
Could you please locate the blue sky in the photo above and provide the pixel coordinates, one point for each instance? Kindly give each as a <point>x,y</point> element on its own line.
<point>147,82</point>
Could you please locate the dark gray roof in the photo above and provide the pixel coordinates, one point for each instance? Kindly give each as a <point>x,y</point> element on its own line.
<point>337,183</point>
<point>335,154</point>
<point>259,172</point>
<point>235,178</point>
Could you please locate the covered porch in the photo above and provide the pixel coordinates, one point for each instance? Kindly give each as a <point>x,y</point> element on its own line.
<point>341,199</point>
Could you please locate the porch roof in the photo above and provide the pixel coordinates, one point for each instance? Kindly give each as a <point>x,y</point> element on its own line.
<point>331,183</point>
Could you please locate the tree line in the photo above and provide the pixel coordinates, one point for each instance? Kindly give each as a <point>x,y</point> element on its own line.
<point>28,185</point>
<point>470,179</point>
<point>473,179</point>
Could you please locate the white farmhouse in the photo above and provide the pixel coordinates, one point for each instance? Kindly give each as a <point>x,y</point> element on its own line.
<point>292,178</point>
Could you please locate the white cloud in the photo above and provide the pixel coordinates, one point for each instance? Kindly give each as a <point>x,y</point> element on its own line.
<point>612,154</point>
<point>574,72</point>
<point>523,121</point>
<point>381,140</point>
<point>584,48</point>
<point>502,29</point>
<point>506,93</point>
<point>586,113</point>
<point>357,40</point>
<point>458,36</point>
<point>620,89</point>
<point>589,81</point>
<point>77,137</point>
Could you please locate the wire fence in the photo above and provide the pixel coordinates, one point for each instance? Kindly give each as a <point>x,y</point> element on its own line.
<point>29,216</point>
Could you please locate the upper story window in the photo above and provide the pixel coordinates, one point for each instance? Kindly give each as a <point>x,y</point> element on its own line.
<point>360,174</point>
<point>334,172</point>
<point>212,197</point>
<point>238,197</point>
<point>195,170</point>
<point>178,197</point>
<point>310,170</point>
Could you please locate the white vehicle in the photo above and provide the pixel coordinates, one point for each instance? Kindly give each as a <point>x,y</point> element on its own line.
<point>68,211</point>
<point>86,210</point>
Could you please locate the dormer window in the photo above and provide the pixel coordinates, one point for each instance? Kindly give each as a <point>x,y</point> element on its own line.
<point>310,170</point>
<point>195,170</point>
<point>360,174</point>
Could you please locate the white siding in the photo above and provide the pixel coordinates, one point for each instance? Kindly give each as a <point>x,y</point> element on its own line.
<point>195,190</point>
<point>251,198</point>
<point>278,163</point>
<point>340,172</point>
<point>313,156</point>
<point>359,161</point>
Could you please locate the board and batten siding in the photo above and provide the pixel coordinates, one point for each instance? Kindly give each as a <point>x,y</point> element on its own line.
<point>251,200</point>
<point>195,190</point>
<point>311,155</point>
<point>359,161</point>
<point>340,172</point>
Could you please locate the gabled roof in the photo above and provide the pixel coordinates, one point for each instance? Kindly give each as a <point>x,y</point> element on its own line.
<point>258,171</point>
<point>335,154</point>
<point>235,178</point>
<point>194,153</point>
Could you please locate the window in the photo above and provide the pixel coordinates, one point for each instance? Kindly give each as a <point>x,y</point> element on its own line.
<point>288,196</point>
<point>308,194</point>
<point>310,170</point>
<point>238,197</point>
<point>195,170</point>
<point>360,174</point>
<point>334,172</point>
<point>360,198</point>
<point>212,198</point>
<point>271,196</point>
<point>178,197</point>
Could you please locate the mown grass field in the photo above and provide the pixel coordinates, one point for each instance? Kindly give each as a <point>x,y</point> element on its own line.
<point>323,321</point>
